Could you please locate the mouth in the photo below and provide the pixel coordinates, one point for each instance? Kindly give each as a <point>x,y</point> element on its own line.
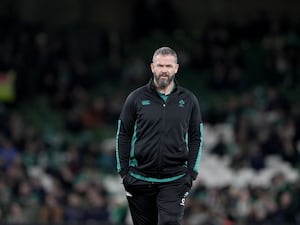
<point>164,76</point>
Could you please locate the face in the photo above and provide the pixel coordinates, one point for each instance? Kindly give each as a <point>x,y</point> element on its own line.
<point>164,69</point>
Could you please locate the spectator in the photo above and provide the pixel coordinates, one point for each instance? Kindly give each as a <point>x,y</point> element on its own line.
<point>8,153</point>
<point>74,211</point>
<point>51,211</point>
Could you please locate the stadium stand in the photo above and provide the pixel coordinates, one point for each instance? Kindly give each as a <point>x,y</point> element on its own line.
<point>57,160</point>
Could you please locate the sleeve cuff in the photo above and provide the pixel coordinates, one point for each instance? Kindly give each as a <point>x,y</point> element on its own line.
<point>123,172</point>
<point>192,173</point>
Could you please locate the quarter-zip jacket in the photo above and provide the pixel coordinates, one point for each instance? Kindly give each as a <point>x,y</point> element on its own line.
<point>158,140</point>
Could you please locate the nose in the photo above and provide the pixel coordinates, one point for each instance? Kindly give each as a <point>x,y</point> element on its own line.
<point>164,69</point>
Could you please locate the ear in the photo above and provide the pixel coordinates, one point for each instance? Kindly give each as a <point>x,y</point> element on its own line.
<point>176,67</point>
<point>152,67</point>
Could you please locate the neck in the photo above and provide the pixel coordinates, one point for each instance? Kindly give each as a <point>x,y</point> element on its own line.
<point>167,90</point>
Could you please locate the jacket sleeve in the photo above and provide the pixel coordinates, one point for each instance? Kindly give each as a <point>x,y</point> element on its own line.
<point>195,139</point>
<point>124,135</point>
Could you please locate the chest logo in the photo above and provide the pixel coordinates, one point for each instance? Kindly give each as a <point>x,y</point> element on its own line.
<point>181,103</point>
<point>145,102</point>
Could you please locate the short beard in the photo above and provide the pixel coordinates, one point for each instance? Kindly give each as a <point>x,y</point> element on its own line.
<point>163,84</point>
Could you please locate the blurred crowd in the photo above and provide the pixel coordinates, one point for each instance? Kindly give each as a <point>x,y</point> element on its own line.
<point>48,178</point>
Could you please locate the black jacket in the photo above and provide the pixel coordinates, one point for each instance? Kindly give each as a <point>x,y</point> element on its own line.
<point>157,138</point>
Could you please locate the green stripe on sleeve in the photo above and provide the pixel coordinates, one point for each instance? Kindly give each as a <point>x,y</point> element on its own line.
<point>117,147</point>
<point>133,161</point>
<point>200,149</point>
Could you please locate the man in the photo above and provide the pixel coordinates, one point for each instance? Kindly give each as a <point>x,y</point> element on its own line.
<point>159,144</point>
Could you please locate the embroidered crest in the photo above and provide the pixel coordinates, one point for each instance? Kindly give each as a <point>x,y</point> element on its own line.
<point>181,103</point>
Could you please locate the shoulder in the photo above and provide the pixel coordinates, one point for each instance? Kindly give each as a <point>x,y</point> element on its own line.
<point>189,94</point>
<point>137,93</point>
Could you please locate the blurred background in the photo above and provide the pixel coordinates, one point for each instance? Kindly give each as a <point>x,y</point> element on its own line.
<point>66,67</point>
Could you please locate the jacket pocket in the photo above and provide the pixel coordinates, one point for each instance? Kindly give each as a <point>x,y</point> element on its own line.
<point>130,181</point>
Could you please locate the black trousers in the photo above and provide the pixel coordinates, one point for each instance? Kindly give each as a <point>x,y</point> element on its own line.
<point>156,203</point>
